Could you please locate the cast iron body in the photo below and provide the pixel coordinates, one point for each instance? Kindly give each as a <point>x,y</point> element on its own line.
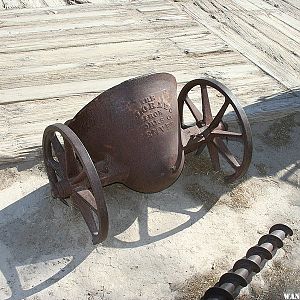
<point>229,283</point>
<point>134,133</point>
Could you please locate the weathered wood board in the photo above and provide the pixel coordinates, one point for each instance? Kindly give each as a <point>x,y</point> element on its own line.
<point>52,62</point>
<point>12,4</point>
<point>19,4</point>
<point>266,32</point>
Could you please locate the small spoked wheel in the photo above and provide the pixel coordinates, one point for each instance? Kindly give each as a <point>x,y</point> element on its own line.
<point>227,132</point>
<point>72,174</point>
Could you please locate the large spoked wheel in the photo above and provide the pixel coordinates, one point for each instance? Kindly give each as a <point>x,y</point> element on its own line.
<point>72,174</point>
<point>215,130</point>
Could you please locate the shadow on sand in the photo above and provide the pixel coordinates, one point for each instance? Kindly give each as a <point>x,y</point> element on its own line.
<point>38,229</point>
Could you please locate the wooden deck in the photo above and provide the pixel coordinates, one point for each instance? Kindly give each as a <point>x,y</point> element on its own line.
<point>265,31</point>
<point>54,61</point>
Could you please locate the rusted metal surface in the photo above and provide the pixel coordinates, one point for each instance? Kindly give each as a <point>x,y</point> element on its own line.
<point>212,131</point>
<point>73,174</point>
<point>228,286</point>
<point>134,134</point>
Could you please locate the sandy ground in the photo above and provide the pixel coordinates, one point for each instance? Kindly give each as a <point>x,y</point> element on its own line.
<point>170,245</point>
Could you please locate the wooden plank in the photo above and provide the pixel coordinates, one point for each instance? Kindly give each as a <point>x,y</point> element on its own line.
<point>127,22</point>
<point>107,22</point>
<point>263,5</point>
<point>96,70</point>
<point>155,8</point>
<point>56,90</point>
<point>28,137</point>
<point>200,43</point>
<point>35,3</point>
<point>215,6</point>
<point>293,22</point>
<point>15,64</point>
<point>250,42</point>
<point>294,3</point>
<point>112,54</point>
<point>55,3</point>
<point>66,9</point>
<point>285,7</point>
<point>13,4</point>
<point>246,81</point>
<point>78,54</point>
<point>32,11</point>
<point>110,77</point>
<point>9,4</point>
<point>232,6</point>
<point>63,15</point>
<point>86,29</point>
<point>284,28</point>
<point>51,3</point>
<point>273,37</point>
<point>94,36</point>
<point>51,17</point>
<point>240,4</point>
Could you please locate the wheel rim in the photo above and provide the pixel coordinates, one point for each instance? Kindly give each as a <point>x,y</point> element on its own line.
<point>72,173</point>
<point>215,129</point>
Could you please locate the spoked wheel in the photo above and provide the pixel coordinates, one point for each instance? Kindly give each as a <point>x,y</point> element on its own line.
<point>215,132</point>
<point>72,174</point>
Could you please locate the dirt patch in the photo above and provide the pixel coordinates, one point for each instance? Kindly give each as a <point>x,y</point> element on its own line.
<point>195,286</point>
<point>8,177</point>
<point>240,196</point>
<point>279,133</point>
<point>237,195</point>
<point>197,164</point>
<point>201,165</point>
<point>199,192</point>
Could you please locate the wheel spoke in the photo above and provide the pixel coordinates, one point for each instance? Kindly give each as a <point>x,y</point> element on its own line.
<point>58,149</point>
<point>200,148</point>
<point>207,115</point>
<point>217,119</point>
<point>86,196</point>
<point>72,168</point>
<point>194,110</point>
<point>226,153</point>
<point>81,181</point>
<point>86,211</point>
<point>227,134</point>
<point>78,178</point>
<point>214,131</point>
<point>214,156</point>
<point>56,166</point>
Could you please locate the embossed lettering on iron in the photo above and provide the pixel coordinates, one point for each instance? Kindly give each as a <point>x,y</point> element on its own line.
<point>154,113</point>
